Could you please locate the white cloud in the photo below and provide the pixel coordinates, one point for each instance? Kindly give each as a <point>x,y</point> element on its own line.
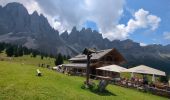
<point>142,19</point>
<point>75,12</point>
<point>143,44</point>
<point>105,14</point>
<point>166,35</point>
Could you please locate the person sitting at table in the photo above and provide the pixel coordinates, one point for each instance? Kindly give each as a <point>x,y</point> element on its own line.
<point>145,80</point>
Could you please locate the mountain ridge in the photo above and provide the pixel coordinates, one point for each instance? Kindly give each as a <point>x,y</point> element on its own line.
<point>34,31</point>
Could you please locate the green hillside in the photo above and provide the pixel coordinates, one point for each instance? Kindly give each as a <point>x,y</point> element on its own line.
<point>28,59</point>
<point>19,82</point>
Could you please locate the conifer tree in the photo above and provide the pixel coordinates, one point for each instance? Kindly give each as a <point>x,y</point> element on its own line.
<point>10,51</point>
<point>59,60</point>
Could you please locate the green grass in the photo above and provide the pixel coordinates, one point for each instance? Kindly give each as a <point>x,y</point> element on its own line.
<point>19,82</point>
<point>27,59</point>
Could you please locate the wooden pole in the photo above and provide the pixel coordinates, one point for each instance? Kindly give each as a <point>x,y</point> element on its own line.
<point>88,69</point>
<point>88,52</point>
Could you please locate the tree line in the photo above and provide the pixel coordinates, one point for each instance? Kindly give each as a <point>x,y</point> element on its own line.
<point>18,51</point>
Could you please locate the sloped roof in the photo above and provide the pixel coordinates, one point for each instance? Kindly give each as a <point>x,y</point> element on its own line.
<point>95,56</point>
<point>75,65</point>
<point>145,70</point>
<point>113,68</point>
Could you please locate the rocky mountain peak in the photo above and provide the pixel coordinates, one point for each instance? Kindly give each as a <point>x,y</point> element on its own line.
<point>64,35</point>
<point>74,30</point>
<point>83,29</point>
<point>15,8</point>
<point>35,13</point>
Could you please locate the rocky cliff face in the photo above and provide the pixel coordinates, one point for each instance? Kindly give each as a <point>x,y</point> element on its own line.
<point>34,31</point>
<point>84,38</point>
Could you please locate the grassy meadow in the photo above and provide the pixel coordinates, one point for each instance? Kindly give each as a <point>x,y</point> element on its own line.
<point>28,59</point>
<point>19,82</point>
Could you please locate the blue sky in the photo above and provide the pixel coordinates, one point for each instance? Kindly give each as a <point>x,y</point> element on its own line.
<point>160,8</point>
<point>90,24</point>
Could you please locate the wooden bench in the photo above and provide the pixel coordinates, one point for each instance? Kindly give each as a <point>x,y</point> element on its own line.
<point>39,73</point>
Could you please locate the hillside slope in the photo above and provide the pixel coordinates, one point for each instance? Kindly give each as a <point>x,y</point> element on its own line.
<point>19,82</point>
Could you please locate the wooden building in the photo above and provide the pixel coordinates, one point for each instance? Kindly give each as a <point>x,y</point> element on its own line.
<point>99,59</point>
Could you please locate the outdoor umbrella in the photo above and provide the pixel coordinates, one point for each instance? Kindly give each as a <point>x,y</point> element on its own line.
<point>113,68</point>
<point>143,69</point>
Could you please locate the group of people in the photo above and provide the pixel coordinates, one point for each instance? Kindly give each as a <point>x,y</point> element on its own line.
<point>44,65</point>
<point>133,82</point>
<point>144,84</point>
